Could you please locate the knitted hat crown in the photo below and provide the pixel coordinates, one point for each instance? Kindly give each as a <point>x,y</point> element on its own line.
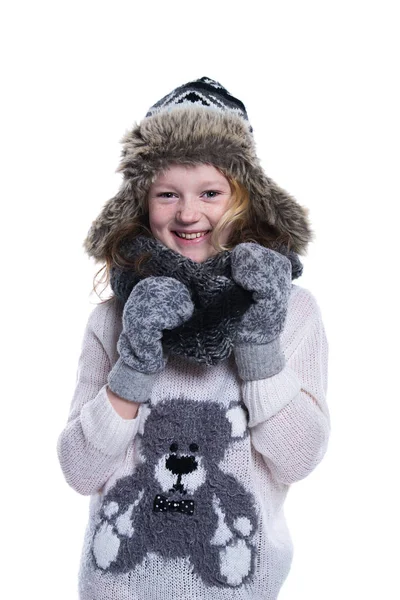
<point>203,92</point>
<point>199,122</point>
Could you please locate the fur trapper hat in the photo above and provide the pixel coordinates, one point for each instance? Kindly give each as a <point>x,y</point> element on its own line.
<point>199,122</point>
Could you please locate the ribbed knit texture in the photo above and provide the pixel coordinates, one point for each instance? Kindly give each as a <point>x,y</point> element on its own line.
<point>258,361</point>
<point>289,429</point>
<point>129,383</point>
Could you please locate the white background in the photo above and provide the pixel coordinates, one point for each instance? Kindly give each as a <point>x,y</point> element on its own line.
<point>320,83</point>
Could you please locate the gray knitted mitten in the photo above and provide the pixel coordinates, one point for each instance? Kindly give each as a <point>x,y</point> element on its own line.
<point>155,304</point>
<point>268,274</point>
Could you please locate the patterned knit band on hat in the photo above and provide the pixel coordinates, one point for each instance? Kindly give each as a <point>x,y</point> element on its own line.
<point>204,92</point>
<point>199,122</point>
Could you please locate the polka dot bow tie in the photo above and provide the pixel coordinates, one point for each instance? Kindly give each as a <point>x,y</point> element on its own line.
<point>162,504</point>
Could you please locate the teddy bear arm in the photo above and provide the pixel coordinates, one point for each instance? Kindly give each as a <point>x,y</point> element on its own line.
<point>238,505</point>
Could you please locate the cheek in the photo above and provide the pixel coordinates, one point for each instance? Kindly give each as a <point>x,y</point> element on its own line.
<point>218,212</point>
<point>226,232</point>
<point>158,217</point>
<point>225,236</point>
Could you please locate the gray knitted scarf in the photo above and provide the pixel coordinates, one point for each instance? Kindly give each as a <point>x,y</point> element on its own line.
<point>208,337</point>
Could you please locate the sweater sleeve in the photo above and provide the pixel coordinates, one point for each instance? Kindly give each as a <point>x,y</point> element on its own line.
<point>288,415</point>
<point>95,439</point>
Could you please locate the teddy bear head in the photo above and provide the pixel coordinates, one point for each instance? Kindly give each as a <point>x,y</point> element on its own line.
<point>186,430</point>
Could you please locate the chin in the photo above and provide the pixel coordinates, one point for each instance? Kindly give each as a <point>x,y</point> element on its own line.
<point>198,252</point>
<point>196,256</point>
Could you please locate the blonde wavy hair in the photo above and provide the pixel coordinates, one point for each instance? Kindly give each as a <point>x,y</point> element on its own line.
<point>240,218</point>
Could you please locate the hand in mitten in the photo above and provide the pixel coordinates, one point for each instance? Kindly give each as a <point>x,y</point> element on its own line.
<point>155,304</point>
<point>268,275</point>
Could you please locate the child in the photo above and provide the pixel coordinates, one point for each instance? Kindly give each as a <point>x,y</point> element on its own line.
<point>201,386</point>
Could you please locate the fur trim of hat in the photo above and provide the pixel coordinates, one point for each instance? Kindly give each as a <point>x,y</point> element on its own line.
<point>189,136</point>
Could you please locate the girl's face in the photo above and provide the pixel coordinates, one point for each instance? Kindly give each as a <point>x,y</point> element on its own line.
<point>185,205</point>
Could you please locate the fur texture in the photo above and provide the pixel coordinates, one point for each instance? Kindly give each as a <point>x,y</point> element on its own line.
<point>183,443</point>
<point>219,303</point>
<point>191,136</point>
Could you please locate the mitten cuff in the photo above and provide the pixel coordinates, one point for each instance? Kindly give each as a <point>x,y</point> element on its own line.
<point>130,384</point>
<point>259,361</point>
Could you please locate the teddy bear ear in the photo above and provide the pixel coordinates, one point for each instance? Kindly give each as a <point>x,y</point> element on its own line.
<point>238,420</point>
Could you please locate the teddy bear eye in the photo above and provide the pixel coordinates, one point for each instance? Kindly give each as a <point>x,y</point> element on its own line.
<point>193,447</point>
<point>173,447</point>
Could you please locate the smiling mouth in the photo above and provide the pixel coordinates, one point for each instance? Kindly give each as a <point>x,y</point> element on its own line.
<point>191,235</point>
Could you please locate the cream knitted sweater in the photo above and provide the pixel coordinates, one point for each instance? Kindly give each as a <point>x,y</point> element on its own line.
<point>187,498</point>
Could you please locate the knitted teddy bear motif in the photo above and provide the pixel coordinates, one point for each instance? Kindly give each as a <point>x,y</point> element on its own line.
<point>179,503</point>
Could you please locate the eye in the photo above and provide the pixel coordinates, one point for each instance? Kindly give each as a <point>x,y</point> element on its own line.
<point>193,447</point>
<point>211,194</point>
<point>166,195</point>
<point>173,447</point>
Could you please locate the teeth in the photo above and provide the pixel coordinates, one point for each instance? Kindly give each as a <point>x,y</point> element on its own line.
<point>190,236</point>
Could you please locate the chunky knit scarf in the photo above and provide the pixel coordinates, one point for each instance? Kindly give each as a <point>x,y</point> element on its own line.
<point>208,337</point>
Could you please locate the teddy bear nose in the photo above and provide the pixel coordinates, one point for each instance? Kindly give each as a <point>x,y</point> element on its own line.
<point>181,465</point>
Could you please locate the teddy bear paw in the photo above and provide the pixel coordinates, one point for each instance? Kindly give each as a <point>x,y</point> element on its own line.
<point>106,541</point>
<point>235,562</point>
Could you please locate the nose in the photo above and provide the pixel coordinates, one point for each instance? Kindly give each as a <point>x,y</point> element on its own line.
<point>181,465</point>
<point>187,211</point>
